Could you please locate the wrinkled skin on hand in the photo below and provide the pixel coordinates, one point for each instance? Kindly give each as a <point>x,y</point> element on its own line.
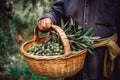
<point>44,24</point>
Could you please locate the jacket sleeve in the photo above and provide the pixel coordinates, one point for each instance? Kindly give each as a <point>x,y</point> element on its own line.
<point>56,13</point>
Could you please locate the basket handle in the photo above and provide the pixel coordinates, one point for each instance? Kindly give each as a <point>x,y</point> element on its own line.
<point>36,36</point>
<point>61,34</point>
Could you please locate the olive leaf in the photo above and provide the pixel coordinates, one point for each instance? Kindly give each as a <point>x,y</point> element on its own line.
<point>80,38</point>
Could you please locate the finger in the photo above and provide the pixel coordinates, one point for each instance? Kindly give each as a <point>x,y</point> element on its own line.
<point>40,25</point>
<point>44,26</point>
<point>48,25</point>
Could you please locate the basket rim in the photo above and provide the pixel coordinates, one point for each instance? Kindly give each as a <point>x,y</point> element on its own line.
<point>64,56</point>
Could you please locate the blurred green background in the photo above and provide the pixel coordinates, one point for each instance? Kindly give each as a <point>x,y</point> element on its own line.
<point>17,21</point>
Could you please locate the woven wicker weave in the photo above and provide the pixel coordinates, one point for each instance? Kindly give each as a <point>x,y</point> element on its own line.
<point>61,66</point>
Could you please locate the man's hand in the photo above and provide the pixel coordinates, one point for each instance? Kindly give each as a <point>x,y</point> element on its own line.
<point>44,24</point>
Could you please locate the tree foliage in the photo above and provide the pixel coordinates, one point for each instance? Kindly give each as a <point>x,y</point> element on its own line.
<point>6,30</point>
<point>15,15</point>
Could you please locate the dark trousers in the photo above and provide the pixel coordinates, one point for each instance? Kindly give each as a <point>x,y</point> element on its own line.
<point>93,68</point>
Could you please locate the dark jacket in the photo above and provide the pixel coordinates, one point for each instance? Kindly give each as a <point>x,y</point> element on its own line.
<point>90,13</point>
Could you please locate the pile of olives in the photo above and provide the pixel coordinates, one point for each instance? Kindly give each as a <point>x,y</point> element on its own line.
<point>47,48</point>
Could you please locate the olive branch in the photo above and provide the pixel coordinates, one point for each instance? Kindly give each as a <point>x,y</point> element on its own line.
<point>79,37</point>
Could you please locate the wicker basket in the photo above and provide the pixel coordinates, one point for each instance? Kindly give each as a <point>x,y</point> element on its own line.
<point>61,66</point>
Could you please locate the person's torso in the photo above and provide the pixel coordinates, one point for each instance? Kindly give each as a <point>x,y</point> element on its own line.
<point>94,13</point>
